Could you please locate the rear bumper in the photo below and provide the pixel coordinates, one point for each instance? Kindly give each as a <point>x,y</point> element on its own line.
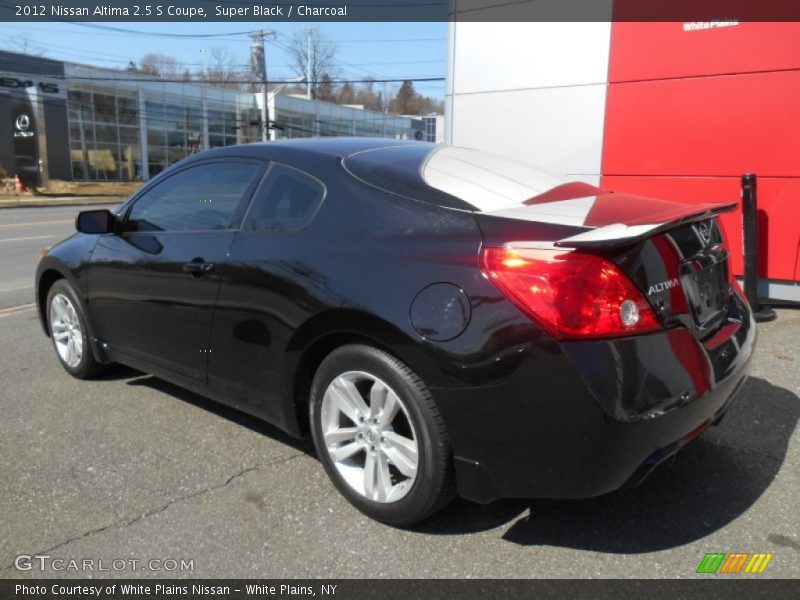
<point>591,417</point>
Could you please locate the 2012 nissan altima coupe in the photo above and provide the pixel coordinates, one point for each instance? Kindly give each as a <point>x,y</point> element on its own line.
<point>440,320</point>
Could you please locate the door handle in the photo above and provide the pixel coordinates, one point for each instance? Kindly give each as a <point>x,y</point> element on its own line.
<point>198,267</point>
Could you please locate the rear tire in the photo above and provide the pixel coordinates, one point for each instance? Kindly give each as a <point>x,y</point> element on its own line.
<point>66,322</point>
<point>380,437</point>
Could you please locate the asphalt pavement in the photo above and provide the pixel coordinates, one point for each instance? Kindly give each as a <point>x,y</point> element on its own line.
<point>131,468</point>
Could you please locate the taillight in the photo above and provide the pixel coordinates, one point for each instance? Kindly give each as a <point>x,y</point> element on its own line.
<point>569,294</point>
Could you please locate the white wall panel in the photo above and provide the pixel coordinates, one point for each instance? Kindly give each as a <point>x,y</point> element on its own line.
<point>531,91</point>
<point>559,129</point>
<point>512,56</point>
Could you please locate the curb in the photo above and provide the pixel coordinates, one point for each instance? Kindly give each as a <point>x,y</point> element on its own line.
<point>23,202</point>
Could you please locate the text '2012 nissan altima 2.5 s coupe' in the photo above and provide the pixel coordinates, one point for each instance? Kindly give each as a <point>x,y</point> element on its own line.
<point>441,321</point>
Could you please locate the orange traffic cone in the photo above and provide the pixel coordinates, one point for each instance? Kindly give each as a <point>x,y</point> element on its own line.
<point>19,187</point>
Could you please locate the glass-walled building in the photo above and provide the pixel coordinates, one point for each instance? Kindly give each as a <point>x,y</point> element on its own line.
<point>294,116</point>
<point>124,126</point>
<point>94,124</point>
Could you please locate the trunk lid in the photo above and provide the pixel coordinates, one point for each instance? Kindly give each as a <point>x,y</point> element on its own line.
<point>684,275</point>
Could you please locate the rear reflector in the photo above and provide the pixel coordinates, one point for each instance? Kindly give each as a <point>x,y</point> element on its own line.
<point>571,295</point>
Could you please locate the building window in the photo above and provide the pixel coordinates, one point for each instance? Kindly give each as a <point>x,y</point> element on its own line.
<point>103,133</point>
<point>430,128</point>
<point>105,129</point>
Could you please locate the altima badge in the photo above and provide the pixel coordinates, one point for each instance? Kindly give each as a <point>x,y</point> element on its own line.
<point>663,286</point>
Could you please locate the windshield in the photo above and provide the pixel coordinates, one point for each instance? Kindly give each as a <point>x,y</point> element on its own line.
<point>451,176</point>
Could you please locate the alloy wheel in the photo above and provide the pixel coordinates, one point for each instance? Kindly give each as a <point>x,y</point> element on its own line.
<point>65,327</point>
<point>369,436</point>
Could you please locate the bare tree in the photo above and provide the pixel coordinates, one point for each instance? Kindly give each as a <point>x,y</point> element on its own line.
<point>309,45</point>
<point>221,70</point>
<point>408,102</point>
<point>161,65</point>
<point>325,91</point>
<point>23,43</point>
<point>347,94</point>
<point>368,97</point>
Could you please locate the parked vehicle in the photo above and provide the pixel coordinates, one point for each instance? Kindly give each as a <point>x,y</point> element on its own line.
<point>439,320</point>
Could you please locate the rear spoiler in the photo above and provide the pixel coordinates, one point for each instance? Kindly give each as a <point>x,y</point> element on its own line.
<point>619,234</point>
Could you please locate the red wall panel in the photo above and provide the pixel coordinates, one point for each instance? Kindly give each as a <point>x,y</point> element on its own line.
<point>719,125</point>
<point>667,50</point>
<point>688,112</point>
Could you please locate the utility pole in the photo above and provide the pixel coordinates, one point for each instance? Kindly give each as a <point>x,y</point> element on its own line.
<point>309,31</point>
<point>258,62</point>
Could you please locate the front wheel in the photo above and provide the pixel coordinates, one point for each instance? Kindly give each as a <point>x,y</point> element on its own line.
<point>66,322</point>
<point>380,437</point>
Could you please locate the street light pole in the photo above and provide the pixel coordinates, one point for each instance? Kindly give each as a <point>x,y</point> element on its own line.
<point>310,31</point>
<point>277,90</point>
<point>258,62</point>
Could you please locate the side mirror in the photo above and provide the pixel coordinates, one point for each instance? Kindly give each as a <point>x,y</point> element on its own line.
<point>95,221</point>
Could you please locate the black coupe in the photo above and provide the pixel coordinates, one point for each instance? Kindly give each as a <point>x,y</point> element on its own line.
<point>440,320</point>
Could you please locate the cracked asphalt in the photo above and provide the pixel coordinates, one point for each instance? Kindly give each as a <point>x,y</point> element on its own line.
<point>130,467</point>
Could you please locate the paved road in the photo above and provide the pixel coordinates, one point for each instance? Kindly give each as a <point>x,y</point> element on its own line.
<point>23,232</point>
<point>129,467</point>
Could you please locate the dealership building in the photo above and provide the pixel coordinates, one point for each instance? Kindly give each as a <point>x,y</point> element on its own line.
<point>69,121</point>
<point>665,109</point>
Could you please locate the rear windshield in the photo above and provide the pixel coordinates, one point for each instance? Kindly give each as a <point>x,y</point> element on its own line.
<point>450,176</point>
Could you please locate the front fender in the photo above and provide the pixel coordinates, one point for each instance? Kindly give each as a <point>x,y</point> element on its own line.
<point>67,260</point>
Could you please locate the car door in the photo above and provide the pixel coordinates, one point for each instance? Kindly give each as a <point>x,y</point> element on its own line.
<point>267,290</point>
<point>153,284</point>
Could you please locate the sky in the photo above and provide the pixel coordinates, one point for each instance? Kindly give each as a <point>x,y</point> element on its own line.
<point>380,50</point>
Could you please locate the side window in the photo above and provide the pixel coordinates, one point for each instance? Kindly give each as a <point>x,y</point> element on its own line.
<point>286,201</point>
<point>204,197</point>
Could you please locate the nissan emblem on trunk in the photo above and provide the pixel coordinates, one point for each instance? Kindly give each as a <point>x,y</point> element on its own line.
<point>704,233</point>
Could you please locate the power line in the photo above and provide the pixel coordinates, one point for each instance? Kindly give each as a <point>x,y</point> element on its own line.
<point>254,81</point>
<point>401,62</point>
<point>119,59</point>
<point>163,34</point>
<point>164,116</point>
<point>290,51</point>
<point>238,75</point>
<point>388,41</point>
<point>320,127</point>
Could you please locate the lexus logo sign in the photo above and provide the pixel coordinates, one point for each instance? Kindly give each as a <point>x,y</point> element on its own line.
<point>23,122</point>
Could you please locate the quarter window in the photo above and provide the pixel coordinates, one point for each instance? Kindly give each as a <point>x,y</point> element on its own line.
<point>204,197</point>
<point>287,201</point>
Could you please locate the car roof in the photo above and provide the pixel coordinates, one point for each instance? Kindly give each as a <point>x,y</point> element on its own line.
<point>333,147</point>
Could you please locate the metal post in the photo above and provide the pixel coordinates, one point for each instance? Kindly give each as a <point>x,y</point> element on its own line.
<point>144,150</point>
<point>258,62</point>
<point>204,110</point>
<point>309,31</point>
<point>265,105</point>
<point>750,247</point>
<point>38,102</point>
